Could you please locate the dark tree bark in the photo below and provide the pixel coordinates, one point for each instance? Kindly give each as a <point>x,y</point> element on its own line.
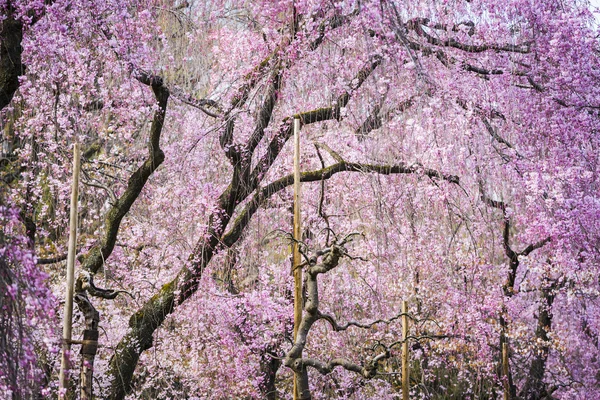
<point>11,67</point>
<point>268,368</point>
<point>534,382</point>
<point>535,388</point>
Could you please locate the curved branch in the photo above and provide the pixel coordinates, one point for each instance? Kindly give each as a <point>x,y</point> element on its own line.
<point>200,104</point>
<point>338,328</point>
<point>85,283</point>
<point>535,246</point>
<point>309,117</point>
<point>325,173</point>
<point>367,372</point>
<point>95,257</point>
<point>513,256</point>
<point>417,25</point>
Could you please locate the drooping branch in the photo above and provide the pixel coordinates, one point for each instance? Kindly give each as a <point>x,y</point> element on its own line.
<point>95,257</point>
<point>435,46</point>
<point>152,314</point>
<point>448,61</point>
<point>144,322</point>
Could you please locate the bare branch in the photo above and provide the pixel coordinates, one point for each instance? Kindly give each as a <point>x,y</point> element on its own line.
<point>200,104</point>
<point>85,283</point>
<point>52,260</point>
<point>482,71</point>
<point>338,328</point>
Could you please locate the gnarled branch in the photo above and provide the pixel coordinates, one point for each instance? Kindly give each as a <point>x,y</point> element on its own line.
<point>95,257</point>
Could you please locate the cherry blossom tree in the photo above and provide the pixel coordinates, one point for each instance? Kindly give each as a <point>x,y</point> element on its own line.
<point>458,138</point>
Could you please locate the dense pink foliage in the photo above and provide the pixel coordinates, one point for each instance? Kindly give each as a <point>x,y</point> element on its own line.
<point>518,123</point>
<point>26,313</point>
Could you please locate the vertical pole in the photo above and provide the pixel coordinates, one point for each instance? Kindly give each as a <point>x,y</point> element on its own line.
<point>505,371</point>
<point>297,237</point>
<point>68,310</point>
<point>405,369</point>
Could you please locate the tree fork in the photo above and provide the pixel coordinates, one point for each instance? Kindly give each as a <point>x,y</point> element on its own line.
<point>144,322</point>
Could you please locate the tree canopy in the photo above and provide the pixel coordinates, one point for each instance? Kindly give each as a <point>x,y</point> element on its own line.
<point>450,158</point>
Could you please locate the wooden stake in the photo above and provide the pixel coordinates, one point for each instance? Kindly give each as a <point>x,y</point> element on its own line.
<point>296,261</point>
<point>505,371</point>
<point>67,321</point>
<point>405,369</point>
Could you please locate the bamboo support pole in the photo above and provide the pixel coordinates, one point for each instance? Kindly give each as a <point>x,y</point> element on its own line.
<point>68,309</point>
<point>405,369</point>
<point>505,371</point>
<point>297,237</point>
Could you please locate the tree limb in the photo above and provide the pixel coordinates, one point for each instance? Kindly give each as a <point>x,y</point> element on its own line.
<point>200,104</point>
<point>338,328</point>
<point>95,257</point>
<point>285,130</point>
<point>416,24</point>
<point>322,174</point>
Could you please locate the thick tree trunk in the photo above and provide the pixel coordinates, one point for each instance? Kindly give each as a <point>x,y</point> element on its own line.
<point>534,388</point>
<point>11,35</point>
<point>144,322</point>
<point>504,371</point>
<point>268,368</point>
